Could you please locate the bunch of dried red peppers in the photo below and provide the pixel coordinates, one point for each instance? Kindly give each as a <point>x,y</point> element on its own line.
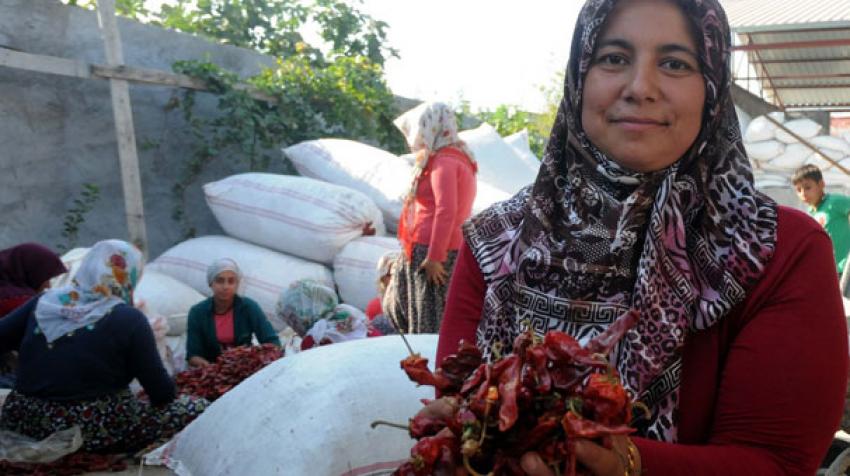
<point>230,369</point>
<point>541,397</point>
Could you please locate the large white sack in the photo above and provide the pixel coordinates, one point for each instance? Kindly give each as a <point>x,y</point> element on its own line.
<point>519,143</point>
<point>761,129</point>
<point>743,119</point>
<point>764,150</point>
<point>487,195</point>
<point>822,163</point>
<point>382,176</point>
<point>795,155</point>
<point>355,270</point>
<point>168,297</point>
<point>498,164</point>
<point>766,180</point>
<point>265,272</point>
<point>805,128</point>
<point>309,413</point>
<point>72,260</point>
<point>831,142</point>
<point>300,216</point>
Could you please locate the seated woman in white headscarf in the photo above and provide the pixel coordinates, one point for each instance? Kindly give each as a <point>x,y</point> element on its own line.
<point>226,319</point>
<point>79,348</point>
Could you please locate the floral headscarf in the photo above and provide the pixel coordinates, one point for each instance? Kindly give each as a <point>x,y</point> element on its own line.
<point>304,303</point>
<point>25,267</point>
<point>590,241</point>
<point>106,278</point>
<point>427,128</point>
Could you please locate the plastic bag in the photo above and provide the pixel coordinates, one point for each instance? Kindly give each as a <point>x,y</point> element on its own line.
<point>19,448</point>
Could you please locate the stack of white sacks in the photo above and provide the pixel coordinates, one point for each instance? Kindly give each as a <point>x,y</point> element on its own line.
<point>284,228</point>
<point>775,153</point>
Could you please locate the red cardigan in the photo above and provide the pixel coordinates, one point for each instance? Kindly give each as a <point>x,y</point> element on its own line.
<point>763,391</point>
<point>443,202</point>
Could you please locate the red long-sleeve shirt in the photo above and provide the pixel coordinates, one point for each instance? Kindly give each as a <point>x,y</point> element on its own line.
<point>443,202</point>
<point>762,392</point>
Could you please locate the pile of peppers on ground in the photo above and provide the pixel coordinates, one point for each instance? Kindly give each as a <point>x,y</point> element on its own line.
<point>547,392</point>
<point>230,369</point>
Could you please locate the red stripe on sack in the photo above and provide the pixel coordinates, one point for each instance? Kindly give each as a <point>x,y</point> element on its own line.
<point>362,470</point>
<point>266,286</point>
<point>335,207</point>
<point>272,215</point>
<point>357,263</point>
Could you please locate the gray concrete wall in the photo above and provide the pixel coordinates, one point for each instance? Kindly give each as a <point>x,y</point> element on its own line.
<point>57,133</point>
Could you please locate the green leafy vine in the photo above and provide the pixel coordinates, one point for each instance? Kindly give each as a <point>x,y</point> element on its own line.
<point>346,98</point>
<point>76,215</point>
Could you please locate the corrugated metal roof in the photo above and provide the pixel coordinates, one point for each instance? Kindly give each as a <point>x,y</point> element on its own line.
<point>753,15</point>
<point>812,68</point>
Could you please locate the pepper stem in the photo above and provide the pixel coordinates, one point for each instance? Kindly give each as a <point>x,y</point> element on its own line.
<point>389,423</point>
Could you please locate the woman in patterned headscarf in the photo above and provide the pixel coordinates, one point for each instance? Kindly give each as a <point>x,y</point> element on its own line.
<point>644,215</point>
<point>440,200</point>
<point>80,347</point>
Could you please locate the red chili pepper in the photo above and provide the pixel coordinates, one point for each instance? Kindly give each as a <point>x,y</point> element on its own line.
<point>509,381</point>
<point>605,400</point>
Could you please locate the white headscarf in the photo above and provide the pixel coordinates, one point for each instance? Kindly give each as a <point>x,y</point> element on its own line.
<point>221,265</point>
<point>106,278</point>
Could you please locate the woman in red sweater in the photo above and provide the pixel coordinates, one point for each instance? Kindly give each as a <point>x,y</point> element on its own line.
<point>645,202</point>
<point>440,200</point>
<point>26,270</point>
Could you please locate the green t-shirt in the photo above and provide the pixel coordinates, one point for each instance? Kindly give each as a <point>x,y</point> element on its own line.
<point>832,213</point>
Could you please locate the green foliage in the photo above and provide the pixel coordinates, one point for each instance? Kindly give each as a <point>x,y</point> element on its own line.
<point>275,26</point>
<point>76,215</point>
<point>348,98</point>
<point>509,119</point>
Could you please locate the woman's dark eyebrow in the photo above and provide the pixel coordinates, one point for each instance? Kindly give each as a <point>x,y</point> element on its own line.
<point>675,47</point>
<point>667,48</point>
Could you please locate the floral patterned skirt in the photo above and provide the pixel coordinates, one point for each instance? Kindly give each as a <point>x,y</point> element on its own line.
<point>115,423</point>
<point>413,302</point>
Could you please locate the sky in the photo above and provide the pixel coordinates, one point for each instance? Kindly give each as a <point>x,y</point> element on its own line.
<point>487,52</point>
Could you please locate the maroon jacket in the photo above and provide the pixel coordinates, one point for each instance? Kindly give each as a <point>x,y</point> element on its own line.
<point>763,391</point>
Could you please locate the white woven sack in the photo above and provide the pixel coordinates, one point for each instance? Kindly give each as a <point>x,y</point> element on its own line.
<point>761,129</point>
<point>380,175</point>
<point>300,216</point>
<point>805,128</point>
<point>498,164</point>
<point>831,142</point>
<point>823,164</point>
<point>308,414</point>
<point>72,260</point>
<point>770,180</point>
<point>355,268</point>
<point>519,143</point>
<point>265,272</point>
<point>764,150</point>
<point>794,156</point>
<point>168,297</point>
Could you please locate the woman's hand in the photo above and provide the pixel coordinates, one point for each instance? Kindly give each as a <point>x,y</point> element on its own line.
<point>434,271</point>
<point>197,361</point>
<point>599,460</point>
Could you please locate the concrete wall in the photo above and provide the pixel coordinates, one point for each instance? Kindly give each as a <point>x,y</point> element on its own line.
<point>57,133</point>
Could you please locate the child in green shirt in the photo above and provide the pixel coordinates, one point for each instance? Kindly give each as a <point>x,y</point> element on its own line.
<point>829,209</point>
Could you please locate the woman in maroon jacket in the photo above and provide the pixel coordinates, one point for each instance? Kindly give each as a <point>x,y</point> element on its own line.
<point>645,202</point>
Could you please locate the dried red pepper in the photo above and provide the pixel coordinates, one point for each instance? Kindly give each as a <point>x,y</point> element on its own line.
<point>539,398</point>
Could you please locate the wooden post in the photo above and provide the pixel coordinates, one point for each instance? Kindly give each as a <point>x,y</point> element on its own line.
<point>129,161</point>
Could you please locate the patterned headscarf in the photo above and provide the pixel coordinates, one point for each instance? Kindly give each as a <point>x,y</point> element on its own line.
<point>589,240</point>
<point>427,128</point>
<point>25,267</point>
<point>106,278</point>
